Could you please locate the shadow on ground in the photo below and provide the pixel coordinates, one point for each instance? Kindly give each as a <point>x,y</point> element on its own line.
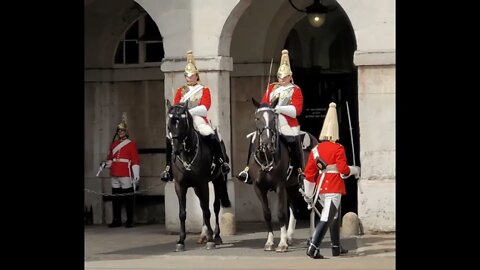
<point>249,241</point>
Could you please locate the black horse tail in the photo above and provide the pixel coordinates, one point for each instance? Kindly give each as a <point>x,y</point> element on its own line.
<point>221,192</point>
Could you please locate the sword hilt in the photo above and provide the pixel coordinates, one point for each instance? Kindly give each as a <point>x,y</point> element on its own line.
<point>102,166</point>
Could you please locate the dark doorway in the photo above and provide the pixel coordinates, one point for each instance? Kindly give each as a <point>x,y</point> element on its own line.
<point>319,88</point>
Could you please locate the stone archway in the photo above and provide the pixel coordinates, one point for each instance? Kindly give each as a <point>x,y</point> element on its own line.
<point>111,88</point>
<point>278,26</point>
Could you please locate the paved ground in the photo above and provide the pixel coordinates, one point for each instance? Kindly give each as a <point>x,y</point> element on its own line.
<point>152,247</point>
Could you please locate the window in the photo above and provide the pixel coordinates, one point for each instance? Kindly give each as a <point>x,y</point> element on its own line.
<point>141,43</point>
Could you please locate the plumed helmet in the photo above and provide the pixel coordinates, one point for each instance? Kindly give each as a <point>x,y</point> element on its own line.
<point>190,68</point>
<point>284,69</point>
<point>123,124</point>
<point>330,125</point>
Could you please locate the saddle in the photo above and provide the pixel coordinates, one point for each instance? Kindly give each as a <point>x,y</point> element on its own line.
<point>305,139</point>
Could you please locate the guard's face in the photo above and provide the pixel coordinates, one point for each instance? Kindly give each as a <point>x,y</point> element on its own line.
<point>192,79</point>
<point>284,80</point>
<point>122,133</point>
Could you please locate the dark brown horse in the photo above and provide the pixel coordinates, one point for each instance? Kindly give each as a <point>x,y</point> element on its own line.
<point>192,167</point>
<point>270,170</point>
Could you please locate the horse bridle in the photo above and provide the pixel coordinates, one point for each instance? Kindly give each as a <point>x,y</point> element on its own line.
<point>183,139</point>
<point>262,147</point>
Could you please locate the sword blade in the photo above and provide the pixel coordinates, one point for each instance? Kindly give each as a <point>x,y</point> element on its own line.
<point>351,134</point>
<point>99,171</point>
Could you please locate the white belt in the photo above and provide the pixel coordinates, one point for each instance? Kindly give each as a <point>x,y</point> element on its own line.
<point>121,160</point>
<point>330,169</point>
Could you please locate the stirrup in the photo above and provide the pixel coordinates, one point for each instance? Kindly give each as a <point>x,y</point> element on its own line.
<point>244,176</point>
<point>165,175</point>
<point>300,176</point>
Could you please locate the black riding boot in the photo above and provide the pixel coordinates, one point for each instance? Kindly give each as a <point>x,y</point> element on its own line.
<point>335,236</point>
<point>117,208</point>
<point>243,175</point>
<point>129,200</point>
<point>166,175</point>
<point>221,158</point>
<point>296,154</point>
<point>313,250</point>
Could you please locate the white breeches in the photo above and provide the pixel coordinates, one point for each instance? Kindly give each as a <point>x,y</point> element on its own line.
<point>121,182</point>
<point>285,129</point>
<point>202,126</point>
<point>326,199</point>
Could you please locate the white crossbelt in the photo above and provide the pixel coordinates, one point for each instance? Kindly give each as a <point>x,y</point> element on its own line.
<point>280,89</point>
<point>329,169</point>
<point>190,93</point>
<point>120,146</point>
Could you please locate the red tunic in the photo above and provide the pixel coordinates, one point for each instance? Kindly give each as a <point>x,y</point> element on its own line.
<point>297,102</point>
<point>128,152</point>
<point>204,99</point>
<point>331,153</point>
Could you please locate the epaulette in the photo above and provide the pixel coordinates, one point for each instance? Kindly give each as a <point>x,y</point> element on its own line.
<point>184,89</point>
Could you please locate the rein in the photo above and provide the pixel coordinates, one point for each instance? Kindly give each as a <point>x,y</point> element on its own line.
<point>194,146</point>
<point>268,160</point>
<point>187,165</point>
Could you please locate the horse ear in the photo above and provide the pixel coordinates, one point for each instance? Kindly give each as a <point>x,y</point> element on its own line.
<point>274,102</point>
<point>255,102</point>
<point>169,105</point>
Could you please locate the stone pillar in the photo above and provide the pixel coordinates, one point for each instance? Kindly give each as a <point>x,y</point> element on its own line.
<point>376,105</point>
<point>214,73</point>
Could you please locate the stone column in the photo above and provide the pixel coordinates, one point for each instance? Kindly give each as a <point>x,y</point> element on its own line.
<point>376,105</point>
<point>214,73</point>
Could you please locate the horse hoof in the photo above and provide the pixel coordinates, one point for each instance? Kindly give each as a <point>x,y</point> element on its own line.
<point>290,242</point>
<point>210,245</point>
<point>202,240</point>
<point>180,247</point>
<point>282,249</point>
<point>269,247</point>
<point>218,240</point>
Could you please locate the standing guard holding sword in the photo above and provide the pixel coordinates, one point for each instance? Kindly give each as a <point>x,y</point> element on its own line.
<point>324,173</point>
<point>123,162</point>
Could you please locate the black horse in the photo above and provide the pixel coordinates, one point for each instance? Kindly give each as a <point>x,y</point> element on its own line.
<point>192,167</point>
<point>270,171</point>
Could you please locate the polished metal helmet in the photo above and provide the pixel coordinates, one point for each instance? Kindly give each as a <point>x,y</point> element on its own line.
<point>123,125</point>
<point>190,68</point>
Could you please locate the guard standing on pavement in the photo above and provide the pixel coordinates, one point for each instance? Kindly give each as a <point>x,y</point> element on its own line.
<point>124,165</point>
<point>328,182</point>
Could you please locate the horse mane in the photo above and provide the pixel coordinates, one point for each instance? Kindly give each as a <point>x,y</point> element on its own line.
<point>177,108</point>
<point>264,105</point>
<point>180,105</point>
